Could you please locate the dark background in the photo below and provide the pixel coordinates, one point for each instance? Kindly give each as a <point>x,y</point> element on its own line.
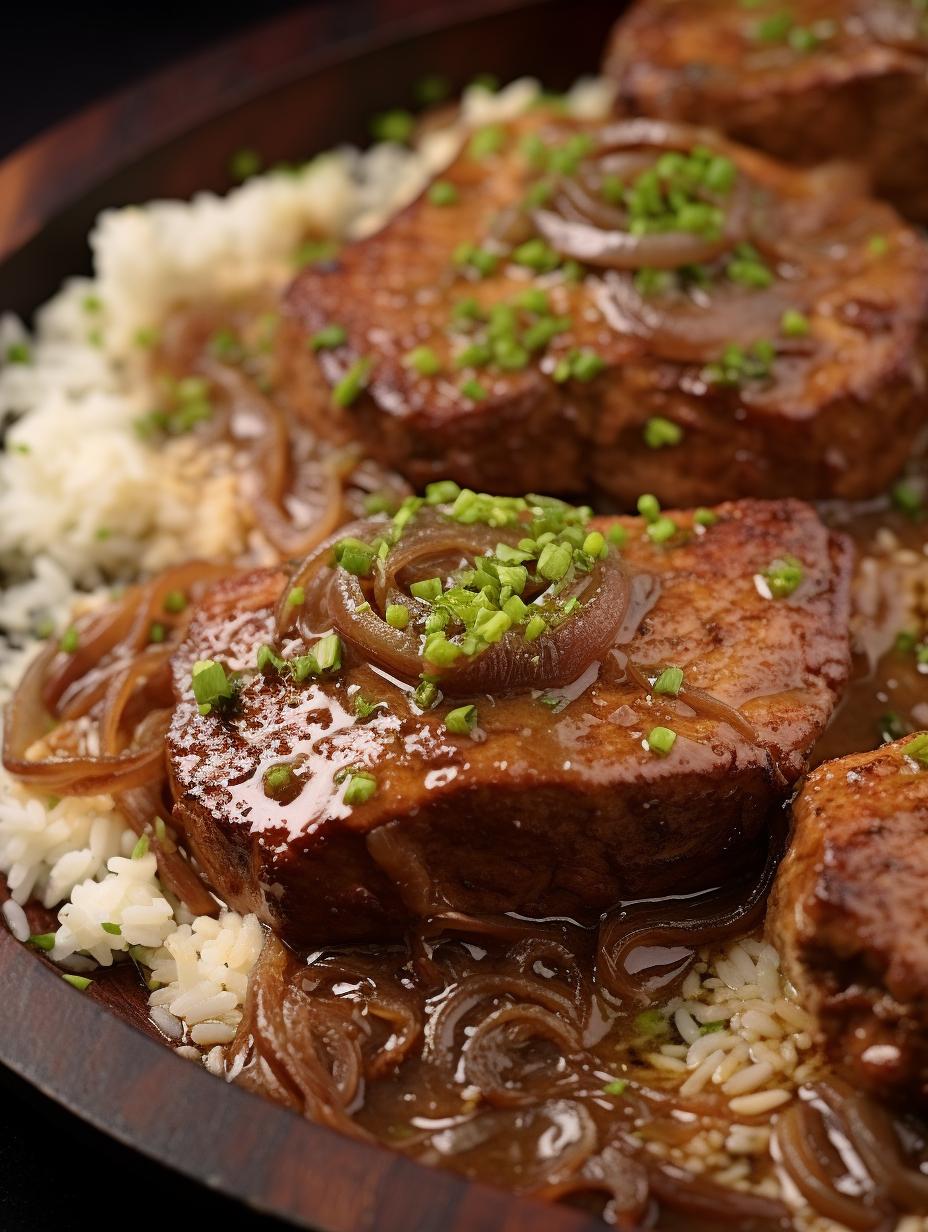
<point>55,1171</point>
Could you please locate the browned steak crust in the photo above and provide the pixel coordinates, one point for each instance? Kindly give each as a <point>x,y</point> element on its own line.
<point>548,812</point>
<point>859,91</point>
<point>849,913</point>
<point>836,417</point>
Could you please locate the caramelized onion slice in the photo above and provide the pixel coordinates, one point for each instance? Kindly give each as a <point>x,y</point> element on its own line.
<point>558,657</point>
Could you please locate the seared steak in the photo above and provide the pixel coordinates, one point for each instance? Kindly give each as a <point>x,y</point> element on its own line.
<point>555,804</point>
<point>849,909</point>
<point>807,82</point>
<point>622,380</point>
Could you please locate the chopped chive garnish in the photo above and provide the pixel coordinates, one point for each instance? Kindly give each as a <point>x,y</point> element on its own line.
<point>794,324</point>
<point>660,432</point>
<point>661,740</point>
<point>278,778</point>
<point>669,682</point>
<point>906,498</point>
<point>364,707</point>
<point>328,338</point>
<point>80,982</point>
<point>649,507</point>
<point>617,1087</point>
<point>355,556</point>
<point>18,353</point>
<point>268,657</point>
<point>210,684</point>
<point>662,529</point>
<point>473,390</point>
<point>396,125</point>
<point>328,652</point>
<point>175,601</point>
<point>423,360</point>
<point>42,941</point>
<point>461,722</point>
<point>141,847</point>
<point>487,141</point>
<point>917,750</point>
<point>710,1028</point>
<point>114,930</point>
<point>783,576</point>
<point>157,633</point>
<point>361,786</point>
<point>296,597</point>
<point>353,383</point>
<point>244,164</point>
<point>443,192</point>
<point>397,615</point>
<point>428,589</point>
<point>705,517</point>
<point>70,640</point>
<point>650,1023</point>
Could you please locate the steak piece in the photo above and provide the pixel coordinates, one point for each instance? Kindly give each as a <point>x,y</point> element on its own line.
<point>650,407</point>
<point>811,81</point>
<point>555,805</point>
<point>848,914</point>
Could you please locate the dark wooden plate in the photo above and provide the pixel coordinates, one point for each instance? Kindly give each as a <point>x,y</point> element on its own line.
<point>289,89</point>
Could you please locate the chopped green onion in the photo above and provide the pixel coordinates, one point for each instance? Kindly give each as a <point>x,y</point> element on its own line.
<point>364,707</point>
<point>536,255</point>
<point>660,432</point>
<point>594,544</point>
<point>432,89</point>
<point>70,640</point>
<point>278,778</point>
<point>42,941</point>
<point>426,695</point>
<point>487,141</point>
<point>428,589</point>
<point>794,324</point>
<point>140,850</point>
<point>397,616</point>
<point>361,786</point>
<point>113,929</point>
<point>670,681</point>
<point>474,390</point>
<point>461,722</point>
<point>649,507</point>
<point>424,360</point>
<point>328,652</point>
<point>617,1087</point>
<point>80,982</point>
<point>617,536</point>
<point>296,597</point>
<point>917,750</point>
<point>661,530</point>
<point>442,492</point>
<point>650,1023</point>
<point>328,338</point>
<point>175,601</point>
<point>710,1028</point>
<point>661,740</point>
<point>18,353</point>
<point>554,561</point>
<point>535,627</point>
<point>705,517</point>
<point>906,498</point>
<point>157,633</point>
<point>353,383</point>
<point>878,246</point>
<point>244,164</point>
<point>355,556</point>
<point>783,576</point>
<point>443,192</point>
<point>210,684</point>
<point>396,125</point>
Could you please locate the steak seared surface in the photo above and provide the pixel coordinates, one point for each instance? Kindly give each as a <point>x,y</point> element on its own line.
<point>848,914</point>
<point>832,415</point>
<point>555,805</point>
<point>808,82</point>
